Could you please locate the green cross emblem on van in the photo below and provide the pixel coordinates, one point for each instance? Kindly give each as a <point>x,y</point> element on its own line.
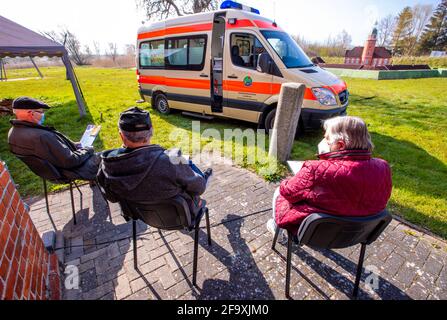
<point>248,81</point>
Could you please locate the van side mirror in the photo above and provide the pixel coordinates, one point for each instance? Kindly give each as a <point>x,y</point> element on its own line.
<point>264,63</point>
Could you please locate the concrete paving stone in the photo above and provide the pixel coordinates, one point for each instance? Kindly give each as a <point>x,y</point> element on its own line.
<point>240,264</point>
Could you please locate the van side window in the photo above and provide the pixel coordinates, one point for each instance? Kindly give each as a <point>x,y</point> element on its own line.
<point>177,52</point>
<point>245,50</point>
<point>187,53</point>
<point>152,54</point>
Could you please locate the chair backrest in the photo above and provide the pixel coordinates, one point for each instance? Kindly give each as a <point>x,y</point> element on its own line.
<point>169,214</point>
<point>42,168</point>
<point>331,232</point>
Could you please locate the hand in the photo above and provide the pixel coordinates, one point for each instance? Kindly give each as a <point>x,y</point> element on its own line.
<point>89,149</point>
<point>78,145</point>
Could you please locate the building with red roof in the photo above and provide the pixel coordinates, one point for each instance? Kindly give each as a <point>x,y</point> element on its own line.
<point>369,55</point>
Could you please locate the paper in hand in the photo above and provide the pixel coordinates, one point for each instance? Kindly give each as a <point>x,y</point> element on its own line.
<point>295,166</point>
<point>90,135</point>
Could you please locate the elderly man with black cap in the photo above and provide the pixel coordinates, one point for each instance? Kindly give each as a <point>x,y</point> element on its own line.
<point>141,171</point>
<point>29,137</point>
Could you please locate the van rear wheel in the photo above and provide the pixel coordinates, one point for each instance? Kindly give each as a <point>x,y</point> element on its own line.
<point>269,122</point>
<point>161,104</point>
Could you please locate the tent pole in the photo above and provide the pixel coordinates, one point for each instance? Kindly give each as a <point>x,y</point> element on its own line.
<point>75,84</point>
<point>35,66</point>
<point>4,71</point>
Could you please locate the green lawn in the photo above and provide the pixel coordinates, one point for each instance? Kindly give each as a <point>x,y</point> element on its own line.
<point>407,119</point>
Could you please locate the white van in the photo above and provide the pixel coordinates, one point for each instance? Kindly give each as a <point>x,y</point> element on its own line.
<point>231,63</point>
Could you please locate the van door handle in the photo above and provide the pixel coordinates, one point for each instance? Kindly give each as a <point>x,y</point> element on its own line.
<point>203,75</point>
<point>232,77</point>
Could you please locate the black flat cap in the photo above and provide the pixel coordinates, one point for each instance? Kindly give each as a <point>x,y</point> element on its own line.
<point>135,119</point>
<point>29,104</point>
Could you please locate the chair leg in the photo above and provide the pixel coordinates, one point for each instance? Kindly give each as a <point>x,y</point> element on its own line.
<point>134,236</point>
<point>275,238</point>
<point>46,196</point>
<point>208,229</point>
<point>72,203</point>
<point>289,263</point>
<point>77,187</point>
<point>359,270</point>
<point>80,193</point>
<point>196,249</point>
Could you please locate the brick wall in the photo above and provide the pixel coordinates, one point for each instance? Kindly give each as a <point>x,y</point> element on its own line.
<point>27,270</point>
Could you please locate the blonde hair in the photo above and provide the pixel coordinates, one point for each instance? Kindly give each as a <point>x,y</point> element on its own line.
<point>352,130</point>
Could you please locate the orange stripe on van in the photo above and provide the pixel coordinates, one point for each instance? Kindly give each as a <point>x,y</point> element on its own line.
<point>229,85</point>
<point>243,23</point>
<point>176,82</point>
<point>308,94</point>
<point>266,25</point>
<point>176,30</point>
<point>337,88</point>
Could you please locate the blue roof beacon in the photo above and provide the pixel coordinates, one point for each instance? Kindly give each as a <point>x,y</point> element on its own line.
<point>235,5</point>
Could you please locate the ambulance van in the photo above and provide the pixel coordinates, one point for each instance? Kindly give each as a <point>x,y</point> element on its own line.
<point>231,63</point>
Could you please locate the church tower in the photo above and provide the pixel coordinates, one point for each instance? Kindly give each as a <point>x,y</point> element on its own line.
<point>368,50</point>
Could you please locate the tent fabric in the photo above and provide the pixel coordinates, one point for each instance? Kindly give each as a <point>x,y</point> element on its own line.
<point>18,41</point>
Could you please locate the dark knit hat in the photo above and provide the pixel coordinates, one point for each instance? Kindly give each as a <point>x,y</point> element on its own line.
<point>135,119</point>
<point>26,103</point>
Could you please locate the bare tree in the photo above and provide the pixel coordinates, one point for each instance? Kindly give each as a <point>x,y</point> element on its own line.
<point>130,49</point>
<point>421,16</point>
<point>162,9</point>
<point>385,31</point>
<point>72,44</point>
<point>97,48</point>
<point>113,51</point>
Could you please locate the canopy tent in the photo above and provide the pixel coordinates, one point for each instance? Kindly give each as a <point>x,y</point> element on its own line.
<point>18,41</point>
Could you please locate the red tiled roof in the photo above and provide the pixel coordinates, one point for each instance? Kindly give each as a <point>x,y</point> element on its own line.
<point>382,53</point>
<point>354,53</point>
<point>379,52</point>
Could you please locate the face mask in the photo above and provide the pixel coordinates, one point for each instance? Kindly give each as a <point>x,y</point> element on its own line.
<point>42,119</point>
<point>324,147</point>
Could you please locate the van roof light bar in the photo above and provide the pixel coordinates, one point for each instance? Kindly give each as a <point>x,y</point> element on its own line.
<point>235,5</point>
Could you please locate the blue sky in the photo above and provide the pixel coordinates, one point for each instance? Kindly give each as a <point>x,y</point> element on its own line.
<point>117,20</point>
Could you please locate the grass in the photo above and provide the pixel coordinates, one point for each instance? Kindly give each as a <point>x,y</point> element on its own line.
<point>407,120</point>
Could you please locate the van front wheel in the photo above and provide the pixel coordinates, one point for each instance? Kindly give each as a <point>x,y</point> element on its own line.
<point>161,104</point>
<point>269,122</point>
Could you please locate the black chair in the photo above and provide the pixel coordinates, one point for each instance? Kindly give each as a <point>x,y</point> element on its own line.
<point>48,172</point>
<point>170,214</point>
<point>323,231</point>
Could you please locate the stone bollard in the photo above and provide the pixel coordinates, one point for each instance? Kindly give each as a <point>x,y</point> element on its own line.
<point>286,120</point>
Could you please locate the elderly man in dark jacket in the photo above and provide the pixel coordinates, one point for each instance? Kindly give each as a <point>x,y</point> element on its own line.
<point>28,136</point>
<point>141,171</point>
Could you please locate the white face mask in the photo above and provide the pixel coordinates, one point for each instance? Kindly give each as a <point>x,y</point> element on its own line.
<point>324,147</point>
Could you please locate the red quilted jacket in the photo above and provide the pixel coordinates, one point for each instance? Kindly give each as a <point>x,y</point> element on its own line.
<point>345,183</point>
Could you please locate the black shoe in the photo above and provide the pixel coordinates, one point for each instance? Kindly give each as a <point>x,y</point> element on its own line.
<point>208,173</point>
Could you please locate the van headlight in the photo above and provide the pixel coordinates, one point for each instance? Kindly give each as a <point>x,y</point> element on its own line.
<point>325,96</point>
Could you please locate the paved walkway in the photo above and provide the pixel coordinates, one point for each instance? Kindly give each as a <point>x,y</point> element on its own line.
<point>240,264</point>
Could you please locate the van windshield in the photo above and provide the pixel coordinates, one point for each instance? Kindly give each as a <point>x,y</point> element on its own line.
<point>287,49</point>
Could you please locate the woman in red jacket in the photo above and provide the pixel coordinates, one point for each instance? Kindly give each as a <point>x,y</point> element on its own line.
<point>345,181</point>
